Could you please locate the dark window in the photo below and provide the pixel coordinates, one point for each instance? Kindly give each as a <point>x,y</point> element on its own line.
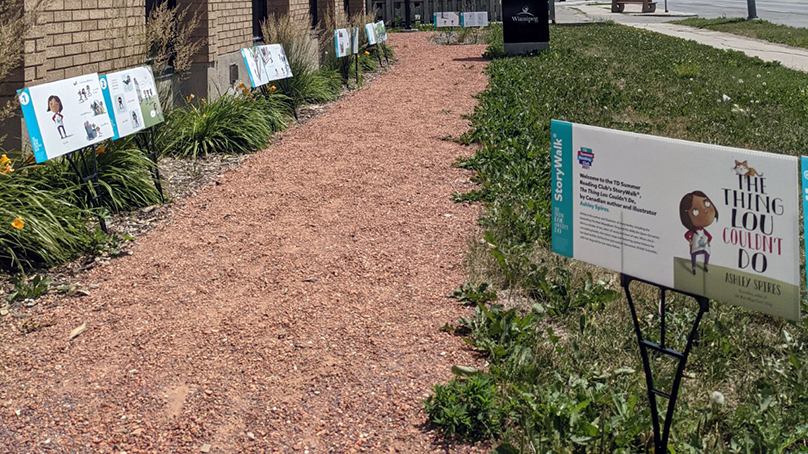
<point>259,11</point>
<point>313,12</point>
<point>151,4</point>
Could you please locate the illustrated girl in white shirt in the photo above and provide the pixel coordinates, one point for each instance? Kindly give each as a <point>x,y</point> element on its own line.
<point>696,212</point>
<point>55,106</point>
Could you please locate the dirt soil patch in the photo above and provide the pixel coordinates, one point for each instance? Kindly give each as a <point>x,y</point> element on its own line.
<point>294,305</point>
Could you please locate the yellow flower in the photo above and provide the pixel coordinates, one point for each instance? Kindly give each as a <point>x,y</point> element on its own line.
<point>8,169</point>
<point>367,53</point>
<point>191,96</point>
<point>204,116</point>
<point>101,149</point>
<point>4,160</point>
<point>241,85</point>
<point>245,91</point>
<point>272,89</point>
<point>18,223</point>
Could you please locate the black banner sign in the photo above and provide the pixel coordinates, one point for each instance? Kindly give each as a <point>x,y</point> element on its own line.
<point>525,21</point>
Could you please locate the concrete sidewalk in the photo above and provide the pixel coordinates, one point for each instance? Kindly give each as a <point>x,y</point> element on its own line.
<point>577,12</point>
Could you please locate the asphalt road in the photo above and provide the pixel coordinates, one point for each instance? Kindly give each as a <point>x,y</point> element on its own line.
<point>788,12</point>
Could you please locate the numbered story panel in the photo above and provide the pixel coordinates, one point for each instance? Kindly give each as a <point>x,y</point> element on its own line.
<point>370,29</point>
<point>65,116</point>
<point>355,40</point>
<point>474,19</point>
<point>132,99</point>
<point>266,63</point>
<point>446,19</point>
<point>342,42</point>
<point>381,32</point>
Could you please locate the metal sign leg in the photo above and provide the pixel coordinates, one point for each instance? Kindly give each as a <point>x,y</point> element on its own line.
<point>661,436</point>
<point>88,174</point>
<point>147,146</point>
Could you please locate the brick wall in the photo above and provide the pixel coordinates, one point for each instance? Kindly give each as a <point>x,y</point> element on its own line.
<point>75,37</point>
<point>229,26</point>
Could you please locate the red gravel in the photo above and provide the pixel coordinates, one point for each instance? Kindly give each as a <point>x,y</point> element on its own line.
<point>294,306</point>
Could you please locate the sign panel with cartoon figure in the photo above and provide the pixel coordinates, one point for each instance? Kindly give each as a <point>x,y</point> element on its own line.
<point>133,100</point>
<point>370,29</point>
<point>65,116</point>
<point>266,63</point>
<point>446,19</point>
<point>474,19</point>
<point>342,42</point>
<point>256,66</point>
<point>355,40</point>
<point>381,32</point>
<point>713,221</point>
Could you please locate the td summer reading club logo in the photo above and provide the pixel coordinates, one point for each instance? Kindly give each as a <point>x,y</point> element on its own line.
<point>585,157</point>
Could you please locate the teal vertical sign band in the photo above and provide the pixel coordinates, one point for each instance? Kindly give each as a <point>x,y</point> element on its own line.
<point>561,192</point>
<point>31,122</point>
<point>804,173</point>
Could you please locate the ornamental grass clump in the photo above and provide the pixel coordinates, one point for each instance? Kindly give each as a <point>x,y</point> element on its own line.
<point>39,225</point>
<point>124,177</point>
<point>309,84</point>
<point>233,124</point>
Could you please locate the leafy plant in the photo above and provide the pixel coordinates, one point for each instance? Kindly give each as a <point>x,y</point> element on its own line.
<point>466,408</point>
<point>23,289</point>
<point>474,295</point>
<point>39,224</point>
<point>232,124</point>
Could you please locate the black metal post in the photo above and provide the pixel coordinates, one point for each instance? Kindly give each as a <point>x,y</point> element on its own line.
<point>356,58</point>
<point>384,49</point>
<point>147,146</point>
<point>89,175</point>
<point>661,436</point>
<point>407,22</point>
<point>156,170</point>
<point>379,54</point>
<point>750,5</point>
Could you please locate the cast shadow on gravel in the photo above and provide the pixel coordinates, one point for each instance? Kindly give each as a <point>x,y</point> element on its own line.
<point>476,59</point>
<point>447,445</point>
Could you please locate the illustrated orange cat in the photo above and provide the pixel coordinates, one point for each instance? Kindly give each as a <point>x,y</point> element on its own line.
<point>742,168</point>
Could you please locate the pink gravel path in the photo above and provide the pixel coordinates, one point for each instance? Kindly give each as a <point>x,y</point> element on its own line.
<point>294,306</point>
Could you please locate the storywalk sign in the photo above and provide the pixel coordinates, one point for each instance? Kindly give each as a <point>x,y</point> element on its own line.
<point>524,26</point>
<point>133,101</point>
<point>65,116</point>
<point>713,221</point>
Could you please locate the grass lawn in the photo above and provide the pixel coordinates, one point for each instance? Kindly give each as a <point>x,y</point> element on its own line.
<point>565,373</point>
<point>758,29</point>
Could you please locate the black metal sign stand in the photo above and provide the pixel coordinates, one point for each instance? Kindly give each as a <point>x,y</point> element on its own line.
<point>661,437</point>
<point>378,54</point>
<point>384,49</point>
<point>88,173</point>
<point>356,58</point>
<point>147,145</point>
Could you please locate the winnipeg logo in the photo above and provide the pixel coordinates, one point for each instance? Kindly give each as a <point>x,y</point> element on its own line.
<point>525,16</point>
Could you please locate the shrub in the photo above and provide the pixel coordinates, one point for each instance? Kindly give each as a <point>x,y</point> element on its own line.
<point>308,85</point>
<point>466,408</point>
<point>49,229</point>
<point>232,124</point>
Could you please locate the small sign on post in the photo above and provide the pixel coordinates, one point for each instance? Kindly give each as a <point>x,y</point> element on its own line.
<point>446,19</point>
<point>525,26</point>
